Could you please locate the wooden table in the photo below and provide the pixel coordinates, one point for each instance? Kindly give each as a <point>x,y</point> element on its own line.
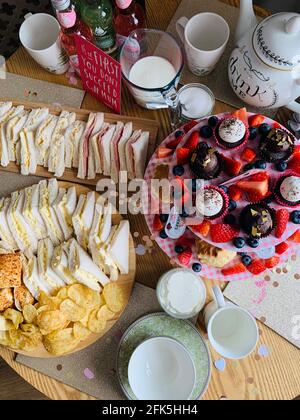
<point>276,377</point>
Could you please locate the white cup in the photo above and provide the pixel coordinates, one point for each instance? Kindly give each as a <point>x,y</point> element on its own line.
<point>232,331</point>
<point>205,37</point>
<point>39,35</point>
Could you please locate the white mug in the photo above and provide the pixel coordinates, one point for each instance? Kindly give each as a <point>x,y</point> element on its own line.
<point>205,37</point>
<point>39,35</point>
<point>232,331</point>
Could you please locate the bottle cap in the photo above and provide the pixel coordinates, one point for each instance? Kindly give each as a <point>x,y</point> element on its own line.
<point>123,4</point>
<point>60,4</point>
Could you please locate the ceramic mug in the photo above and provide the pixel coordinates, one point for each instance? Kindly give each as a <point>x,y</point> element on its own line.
<point>39,35</point>
<point>232,331</point>
<point>205,37</point>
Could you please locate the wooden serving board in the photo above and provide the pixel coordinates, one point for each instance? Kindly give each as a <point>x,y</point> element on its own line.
<point>82,115</point>
<point>127,281</point>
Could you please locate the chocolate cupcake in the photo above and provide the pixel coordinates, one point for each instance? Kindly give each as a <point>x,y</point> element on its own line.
<point>213,203</point>
<point>231,133</point>
<point>277,146</point>
<point>205,162</point>
<point>257,220</point>
<point>287,190</point>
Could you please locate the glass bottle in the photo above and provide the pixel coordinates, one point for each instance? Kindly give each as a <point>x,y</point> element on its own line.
<point>128,16</point>
<point>98,15</point>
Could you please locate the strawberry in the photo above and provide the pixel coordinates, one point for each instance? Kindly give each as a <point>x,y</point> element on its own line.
<point>294,163</point>
<point>272,262</point>
<point>173,144</point>
<point>183,155</point>
<point>248,155</point>
<point>297,149</point>
<point>276,125</point>
<point>242,115</point>
<point>164,152</point>
<point>189,126</point>
<point>181,189</point>
<point>236,269</point>
<point>186,242</point>
<point>256,267</point>
<point>257,186</point>
<point>221,233</point>
<point>185,257</point>
<point>235,193</point>
<point>193,141</point>
<point>281,248</point>
<point>256,120</point>
<point>282,219</point>
<point>232,167</point>
<point>203,228</point>
<point>295,237</point>
<point>157,224</point>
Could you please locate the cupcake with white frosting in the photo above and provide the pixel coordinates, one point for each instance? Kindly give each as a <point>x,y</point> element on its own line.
<point>231,133</point>
<point>212,203</point>
<point>287,190</point>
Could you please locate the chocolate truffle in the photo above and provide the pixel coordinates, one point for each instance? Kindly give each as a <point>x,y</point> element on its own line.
<point>205,162</point>
<point>287,190</point>
<point>277,145</point>
<point>257,220</point>
<point>231,133</point>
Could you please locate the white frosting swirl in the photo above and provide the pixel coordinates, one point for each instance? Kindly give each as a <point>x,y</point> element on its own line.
<point>232,130</point>
<point>290,189</point>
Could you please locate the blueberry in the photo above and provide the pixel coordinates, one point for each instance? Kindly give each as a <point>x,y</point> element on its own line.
<point>162,234</point>
<point>295,217</point>
<point>194,185</point>
<point>197,267</point>
<point>253,133</point>
<point>230,219</point>
<point>239,243</point>
<point>213,121</point>
<point>206,132</point>
<point>246,260</point>
<point>224,188</point>
<point>232,205</point>
<point>178,170</point>
<point>164,218</point>
<point>179,133</point>
<point>253,243</point>
<point>281,166</point>
<point>260,164</point>
<point>179,249</point>
<point>269,199</point>
<point>264,129</point>
<point>248,167</point>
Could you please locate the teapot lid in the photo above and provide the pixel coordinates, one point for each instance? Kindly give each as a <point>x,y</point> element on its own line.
<point>276,41</point>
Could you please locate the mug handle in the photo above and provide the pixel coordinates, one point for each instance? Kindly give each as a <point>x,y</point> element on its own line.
<point>180,26</point>
<point>28,15</point>
<point>219,297</point>
<point>294,106</point>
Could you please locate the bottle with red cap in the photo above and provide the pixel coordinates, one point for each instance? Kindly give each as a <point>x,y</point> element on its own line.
<point>128,16</point>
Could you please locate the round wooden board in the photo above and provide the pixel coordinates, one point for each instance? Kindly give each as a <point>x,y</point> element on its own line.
<point>127,282</point>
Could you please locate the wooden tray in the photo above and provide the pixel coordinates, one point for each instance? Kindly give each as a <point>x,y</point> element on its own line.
<point>82,115</point>
<point>126,280</point>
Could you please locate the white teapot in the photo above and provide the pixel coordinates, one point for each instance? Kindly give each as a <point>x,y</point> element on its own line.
<point>264,68</point>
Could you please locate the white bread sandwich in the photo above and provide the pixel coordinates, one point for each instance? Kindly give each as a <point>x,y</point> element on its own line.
<point>118,248</point>
<point>31,212</point>
<point>43,138</point>
<point>6,235</point>
<point>45,255</point>
<point>95,141</point>
<point>83,218</point>
<point>99,121</point>
<point>72,139</point>
<point>13,129</point>
<point>13,112</point>
<point>136,155</point>
<point>32,279</point>
<point>84,269</point>
<point>64,207</point>
<point>114,157</point>
<point>104,149</point>
<point>117,147</point>
<point>5,107</point>
<point>60,264</point>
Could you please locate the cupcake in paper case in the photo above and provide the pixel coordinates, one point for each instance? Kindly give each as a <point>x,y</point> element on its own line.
<point>277,146</point>
<point>257,220</point>
<point>231,133</point>
<point>205,162</point>
<point>212,203</point>
<point>287,190</point>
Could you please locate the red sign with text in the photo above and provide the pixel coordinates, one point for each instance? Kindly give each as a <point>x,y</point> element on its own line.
<point>100,74</point>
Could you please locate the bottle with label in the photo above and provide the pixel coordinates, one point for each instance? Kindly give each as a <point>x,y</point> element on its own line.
<point>70,25</point>
<point>98,15</point>
<point>129,16</point>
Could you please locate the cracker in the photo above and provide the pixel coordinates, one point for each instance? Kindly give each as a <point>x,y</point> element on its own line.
<point>10,271</point>
<point>6,299</point>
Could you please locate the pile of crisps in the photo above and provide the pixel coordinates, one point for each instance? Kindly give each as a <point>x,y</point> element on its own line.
<point>61,322</point>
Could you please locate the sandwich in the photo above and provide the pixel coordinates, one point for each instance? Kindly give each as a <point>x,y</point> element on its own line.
<point>64,207</point>
<point>22,233</point>
<point>32,279</point>
<point>118,247</point>
<point>43,138</point>
<point>60,264</point>
<point>83,218</point>
<point>95,141</point>
<point>10,113</point>
<point>84,269</point>
<point>122,149</point>
<point>13,112</point>
<point>45,255</point>
<point>136,155</point>
<point>31,212</point>
<point>118,144</point>
<point>10,270</point>
<point>48,195</point>
<point>99,121</point>
<point>6,299</point>
<point>56,162</point>
<point>5,107</point>
<point>13,129</point>
<point>22,297</point>
<point>114,159</point>
<point>72,139</point>
<point>104,149</point>
<point>6,235</point>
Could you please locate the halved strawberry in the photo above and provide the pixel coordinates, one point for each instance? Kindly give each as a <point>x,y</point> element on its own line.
<point>181,190</point>
<point>185,257</point>
<point>256,267</point>
<point>295,237</point>
<point>231,167</point>
<point>282,219</point>
<point>249,155</point>
<point>183,155</point>
<point>186,242</point>
<point>294,163</point>
<point>256,120</point>
<point>242,115</point>
<point>173,144</point>
<point>203,228</point>
<point>157,224</point>
<point>235,269</point>
<point>297,149</point>
<point>257,186</point>
<point>272,262</point>
<point>190,125</point>
<point>281,248</point>
<point>164,152</point>
<point>276,125</point>
<point>235,193</point>
<point>221,233</point>
<point>193,141</point>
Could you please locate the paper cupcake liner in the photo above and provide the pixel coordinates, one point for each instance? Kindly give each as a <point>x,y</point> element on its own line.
<point>265,156</point>
<point>217,173</point>
<point>235,148</point>
<point>280,200</point>
<point>273,215</point>
<point>225,208</point>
